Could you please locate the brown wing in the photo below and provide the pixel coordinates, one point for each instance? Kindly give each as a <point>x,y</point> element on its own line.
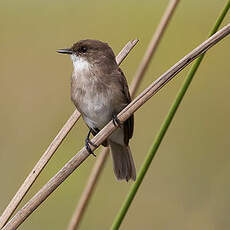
<point>129,123</point>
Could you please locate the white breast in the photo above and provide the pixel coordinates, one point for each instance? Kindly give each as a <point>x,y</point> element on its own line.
<point>79,63</point>
<point>96,108</point>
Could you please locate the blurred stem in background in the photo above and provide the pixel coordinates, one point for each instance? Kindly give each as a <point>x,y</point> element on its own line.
<point>160,135</point>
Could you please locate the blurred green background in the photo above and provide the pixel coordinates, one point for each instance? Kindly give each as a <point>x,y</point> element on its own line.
<point>187,186</point>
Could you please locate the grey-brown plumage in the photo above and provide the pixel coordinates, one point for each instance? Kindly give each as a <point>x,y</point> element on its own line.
<point>99,90</point>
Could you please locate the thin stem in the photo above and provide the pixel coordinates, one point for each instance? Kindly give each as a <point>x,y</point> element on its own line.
<point>72,164</point>
<point>121,214</point>
<point>98,166</point>
<point>22,191</point>
<point>153,45</point>
<point>51,150</point>
<point>86,195</point>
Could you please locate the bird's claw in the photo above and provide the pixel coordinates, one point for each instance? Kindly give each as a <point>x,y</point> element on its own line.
<point>88,142</point>
<point>90,151</point>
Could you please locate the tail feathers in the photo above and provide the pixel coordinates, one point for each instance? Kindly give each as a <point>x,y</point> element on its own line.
<point>123,163</point>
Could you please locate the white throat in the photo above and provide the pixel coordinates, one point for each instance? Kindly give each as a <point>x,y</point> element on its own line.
<point>80,64</point>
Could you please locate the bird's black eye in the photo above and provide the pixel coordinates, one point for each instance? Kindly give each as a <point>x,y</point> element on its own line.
<point>82,49</point>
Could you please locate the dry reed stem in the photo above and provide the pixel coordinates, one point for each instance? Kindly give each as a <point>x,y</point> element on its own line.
<point>38,168</point>
<point>72,164</point>
<point>153,45</point>
<point>51,150</point>
<point>93,178</point>
<point>100,161</point>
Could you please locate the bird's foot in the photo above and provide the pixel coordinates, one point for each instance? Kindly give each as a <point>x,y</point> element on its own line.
<point>90,151</point>
<point>116,121</point>
<point>88,142</point>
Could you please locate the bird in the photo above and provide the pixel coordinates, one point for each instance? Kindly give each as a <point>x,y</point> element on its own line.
<point>99,90</point>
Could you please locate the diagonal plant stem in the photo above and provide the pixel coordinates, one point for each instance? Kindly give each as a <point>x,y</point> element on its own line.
<point>52,149</point>
<point>153,45</point>
<point>101,159</point>
<point>159,137</point>
<point>82,155</point>
<point>38,168</point>
<point>88,190</point>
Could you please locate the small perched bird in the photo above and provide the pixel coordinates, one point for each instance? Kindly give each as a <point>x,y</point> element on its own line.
<point>99,91</point>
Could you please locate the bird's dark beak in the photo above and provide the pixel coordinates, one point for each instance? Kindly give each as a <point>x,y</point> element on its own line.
<point>65,51</point>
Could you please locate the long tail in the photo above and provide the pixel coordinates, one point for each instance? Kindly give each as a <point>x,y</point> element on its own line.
<point>123,164</point>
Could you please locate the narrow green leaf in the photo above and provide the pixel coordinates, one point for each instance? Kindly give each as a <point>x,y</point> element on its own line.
<point>121,214</point>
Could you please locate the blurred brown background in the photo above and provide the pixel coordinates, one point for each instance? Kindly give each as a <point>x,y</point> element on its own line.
<point>187,186</point>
